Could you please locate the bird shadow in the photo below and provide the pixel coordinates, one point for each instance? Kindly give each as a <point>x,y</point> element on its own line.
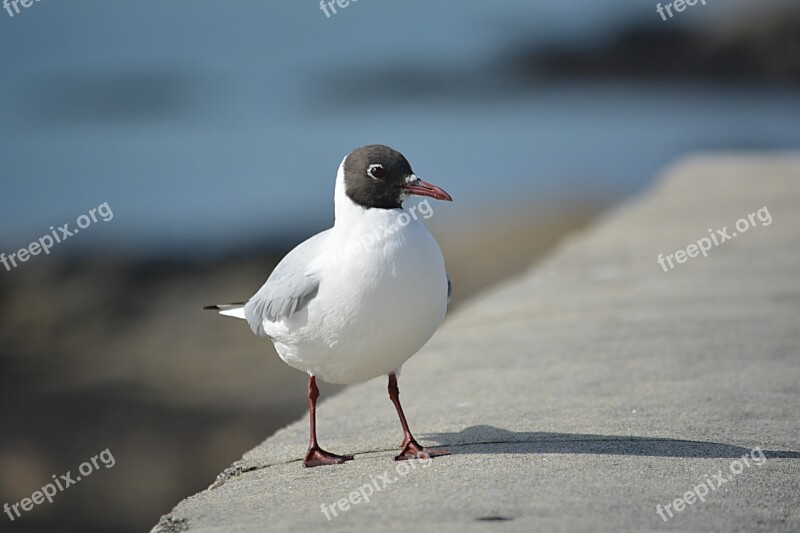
<point>485,439</point>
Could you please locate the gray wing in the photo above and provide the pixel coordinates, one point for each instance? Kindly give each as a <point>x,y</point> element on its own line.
<point>288,289</point>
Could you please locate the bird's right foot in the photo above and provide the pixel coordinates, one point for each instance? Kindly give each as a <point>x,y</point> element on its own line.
<point>316,456</point>
<point>412,450</point>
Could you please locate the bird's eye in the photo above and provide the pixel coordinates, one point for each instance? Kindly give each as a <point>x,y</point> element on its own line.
<point>376,171</point>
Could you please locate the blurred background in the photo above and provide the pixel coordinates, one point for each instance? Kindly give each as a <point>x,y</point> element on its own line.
<point>213,131</point>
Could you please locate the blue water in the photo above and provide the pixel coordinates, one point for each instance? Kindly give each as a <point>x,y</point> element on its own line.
<point>207,124</point>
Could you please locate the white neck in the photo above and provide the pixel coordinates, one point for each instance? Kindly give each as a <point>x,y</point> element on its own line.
<point>344,207</point>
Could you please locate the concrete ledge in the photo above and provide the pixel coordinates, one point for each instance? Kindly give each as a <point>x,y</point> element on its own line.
<point>581,395</point>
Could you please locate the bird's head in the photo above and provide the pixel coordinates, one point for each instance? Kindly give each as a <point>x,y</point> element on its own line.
<point>377,176</point>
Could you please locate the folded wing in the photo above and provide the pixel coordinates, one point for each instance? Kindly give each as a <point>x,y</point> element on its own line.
<point>290,287</point>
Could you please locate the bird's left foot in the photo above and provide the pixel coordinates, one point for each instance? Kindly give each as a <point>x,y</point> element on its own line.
<point>318,457</point>
<point>412,450</point>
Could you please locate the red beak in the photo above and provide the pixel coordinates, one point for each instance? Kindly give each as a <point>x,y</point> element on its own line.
<point>423,188</point>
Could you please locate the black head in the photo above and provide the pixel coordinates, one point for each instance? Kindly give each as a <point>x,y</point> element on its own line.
<point>376,176</point>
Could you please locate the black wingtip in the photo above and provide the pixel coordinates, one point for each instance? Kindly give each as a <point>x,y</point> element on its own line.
<point>224,307</point>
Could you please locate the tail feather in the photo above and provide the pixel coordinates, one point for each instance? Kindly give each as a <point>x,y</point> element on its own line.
<point>235,310</point>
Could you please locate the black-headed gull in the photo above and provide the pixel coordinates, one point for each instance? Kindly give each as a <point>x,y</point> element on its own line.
<point>358,300</point>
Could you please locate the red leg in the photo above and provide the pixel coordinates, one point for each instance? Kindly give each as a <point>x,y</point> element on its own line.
<point>411,449</point>
<point>316,456</point>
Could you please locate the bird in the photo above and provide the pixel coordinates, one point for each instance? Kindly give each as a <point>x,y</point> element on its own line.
<point>356,301</point>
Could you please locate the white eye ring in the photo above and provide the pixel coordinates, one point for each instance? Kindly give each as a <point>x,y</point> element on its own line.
<point>376,171</point>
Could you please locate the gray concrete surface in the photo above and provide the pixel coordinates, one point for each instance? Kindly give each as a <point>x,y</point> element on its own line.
<point>583,394</point>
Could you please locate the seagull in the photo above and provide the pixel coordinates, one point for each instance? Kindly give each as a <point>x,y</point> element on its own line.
<point>356,301</point>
